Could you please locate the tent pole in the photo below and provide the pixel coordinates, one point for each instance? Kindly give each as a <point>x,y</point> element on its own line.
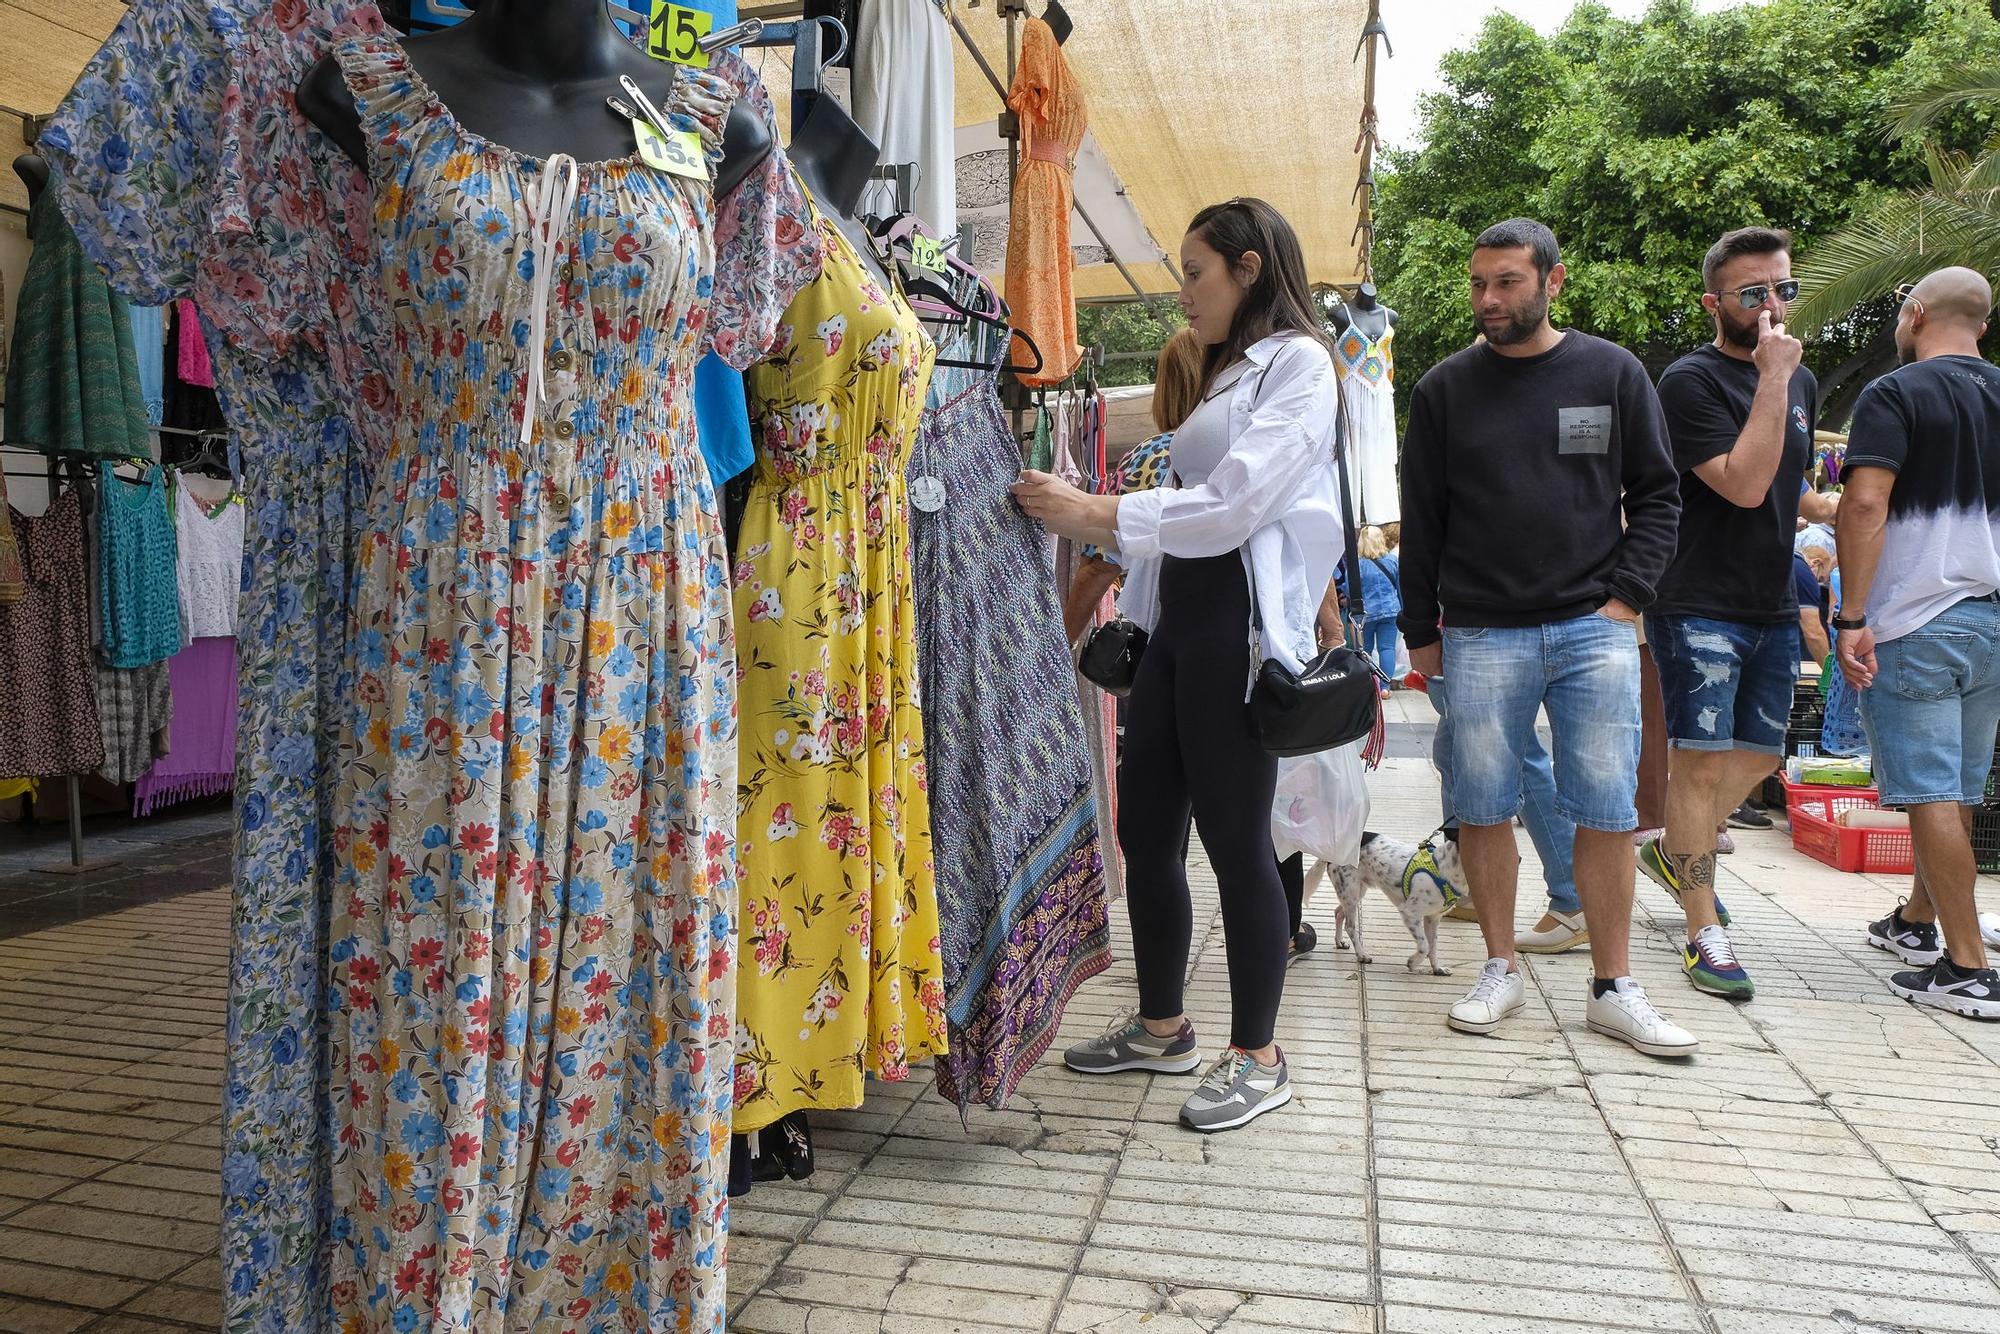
<point>1374,32</point>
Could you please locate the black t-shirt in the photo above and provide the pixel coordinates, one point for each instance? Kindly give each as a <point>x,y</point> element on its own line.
<point>1805,586</point>
<point>1732,563</point>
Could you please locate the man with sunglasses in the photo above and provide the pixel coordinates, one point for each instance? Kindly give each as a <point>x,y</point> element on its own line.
<point>1725,630</point>
<point>1919,624</point>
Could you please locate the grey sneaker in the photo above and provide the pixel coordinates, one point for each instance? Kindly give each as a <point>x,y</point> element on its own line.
<point>1235,1091</point>
<point>1128,1046</point>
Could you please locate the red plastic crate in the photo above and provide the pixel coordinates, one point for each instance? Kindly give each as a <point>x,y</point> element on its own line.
<point>1872,851</point>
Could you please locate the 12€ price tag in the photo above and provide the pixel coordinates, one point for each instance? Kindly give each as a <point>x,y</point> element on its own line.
<point>675,34</point>
<point>679,153</point>
<point>926,254</point>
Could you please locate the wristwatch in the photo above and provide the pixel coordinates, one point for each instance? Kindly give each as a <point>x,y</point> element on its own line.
<point>1850,622</point>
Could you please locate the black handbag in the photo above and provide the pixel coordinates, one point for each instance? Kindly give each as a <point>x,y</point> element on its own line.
<point>1334,700</point>
<point>1110,656</point>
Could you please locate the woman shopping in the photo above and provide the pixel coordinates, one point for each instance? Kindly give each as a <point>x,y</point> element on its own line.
<point>1382,595</point>
<point>1228,568</point>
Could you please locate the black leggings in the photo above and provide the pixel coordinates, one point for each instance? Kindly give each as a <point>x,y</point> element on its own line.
<point>1189,748</point>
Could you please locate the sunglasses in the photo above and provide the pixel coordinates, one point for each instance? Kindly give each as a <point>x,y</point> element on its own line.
<point>1906,292</point>
<point>1754,295</point>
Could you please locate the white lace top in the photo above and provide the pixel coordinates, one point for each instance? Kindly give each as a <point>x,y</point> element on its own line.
<point>210,564</point>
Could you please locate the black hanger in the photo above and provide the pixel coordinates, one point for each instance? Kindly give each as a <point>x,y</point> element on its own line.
<point>1059,21</point>
<point>1035,369</point>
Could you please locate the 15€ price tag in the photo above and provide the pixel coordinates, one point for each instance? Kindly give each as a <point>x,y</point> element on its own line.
<point>675,32</point>
<point>926,254</point>
<point>679,153</point>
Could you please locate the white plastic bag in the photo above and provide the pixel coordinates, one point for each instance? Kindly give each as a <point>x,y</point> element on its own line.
<point>1322,805</point>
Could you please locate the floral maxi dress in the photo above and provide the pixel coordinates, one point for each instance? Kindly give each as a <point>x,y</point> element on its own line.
<point>841,975</point>
<point>532,940</point>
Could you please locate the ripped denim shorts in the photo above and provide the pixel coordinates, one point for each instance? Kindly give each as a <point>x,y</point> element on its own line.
<point>1728,685</point>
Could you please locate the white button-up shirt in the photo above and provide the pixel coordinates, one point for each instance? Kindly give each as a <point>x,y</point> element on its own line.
<point>1274,496</point>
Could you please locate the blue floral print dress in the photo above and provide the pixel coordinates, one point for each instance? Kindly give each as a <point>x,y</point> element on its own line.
<point>185,168</point>
<point>532,973</point>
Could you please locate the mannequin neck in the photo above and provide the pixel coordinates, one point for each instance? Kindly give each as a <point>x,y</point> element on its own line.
<point>833,156</point>
<point>547,39</point>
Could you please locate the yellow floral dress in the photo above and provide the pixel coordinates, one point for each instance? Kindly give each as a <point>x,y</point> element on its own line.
<point>840,974</point>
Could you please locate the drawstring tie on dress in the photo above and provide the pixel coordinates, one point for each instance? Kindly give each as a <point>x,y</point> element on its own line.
<point>551,200</point>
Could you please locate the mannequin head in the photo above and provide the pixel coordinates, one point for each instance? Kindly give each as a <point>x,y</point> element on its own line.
<point>1244,279</point>
<point>1177,381</point>
<point>1364,296</point>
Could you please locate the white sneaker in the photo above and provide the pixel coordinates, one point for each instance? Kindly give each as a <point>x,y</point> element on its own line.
<point>1567,933</point>
<point>1626,1014</point>
<point>1497,994</point>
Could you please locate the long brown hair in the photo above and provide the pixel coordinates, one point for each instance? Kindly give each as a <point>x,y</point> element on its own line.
<point>1280,301</point>
<point>1177,381</point>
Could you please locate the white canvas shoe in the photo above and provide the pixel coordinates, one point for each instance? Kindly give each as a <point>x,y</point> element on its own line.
<point>1567,932</point>
<point>1497,994</point>
<point>1625,1013</point>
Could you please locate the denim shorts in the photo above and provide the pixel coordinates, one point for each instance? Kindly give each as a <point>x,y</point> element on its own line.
<point>1585,672</point>
<point>1934,708</point>
<point>1728,685</point>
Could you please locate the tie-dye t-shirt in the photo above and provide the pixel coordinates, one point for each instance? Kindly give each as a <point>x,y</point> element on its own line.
<point>1936,425</point>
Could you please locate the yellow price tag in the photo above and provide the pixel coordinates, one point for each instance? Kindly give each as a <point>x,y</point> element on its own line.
<point>675,34</point>
<point>927,254</point>
<point>679,152</point>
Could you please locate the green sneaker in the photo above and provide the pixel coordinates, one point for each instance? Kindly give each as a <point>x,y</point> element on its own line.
<point>1710,964</point>
<point>1653,861</point>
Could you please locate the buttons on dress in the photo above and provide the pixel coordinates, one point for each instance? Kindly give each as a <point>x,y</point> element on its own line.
<point>561,360</point>
<point>565,429</point>
<point>559,504</point>
<point>569,272</point>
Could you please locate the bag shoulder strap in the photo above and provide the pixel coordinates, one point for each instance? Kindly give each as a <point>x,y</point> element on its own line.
<point>1357,605</point>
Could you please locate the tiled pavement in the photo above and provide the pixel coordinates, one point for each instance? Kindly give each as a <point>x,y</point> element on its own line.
<point>1830,1163</point>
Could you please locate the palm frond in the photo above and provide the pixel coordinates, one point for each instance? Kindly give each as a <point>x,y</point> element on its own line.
<point>1911,115</point>
<point>1899,240</point>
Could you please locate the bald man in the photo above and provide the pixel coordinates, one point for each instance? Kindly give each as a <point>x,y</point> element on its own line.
<point>1919,625</point>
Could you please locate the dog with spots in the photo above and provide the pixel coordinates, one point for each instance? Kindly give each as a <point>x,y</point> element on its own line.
<point>1420,880</point>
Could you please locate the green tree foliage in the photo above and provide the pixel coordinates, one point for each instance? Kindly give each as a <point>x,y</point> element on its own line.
<point>1953,219</point>
<point>1640,141</point>
<point>1131,334</point>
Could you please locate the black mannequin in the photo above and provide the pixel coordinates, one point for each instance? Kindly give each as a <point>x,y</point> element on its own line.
<point>1059,21</point>
<point>531,75</point>
<point>33,169</point>
<point>1365,313</point>
<point>833,157</point>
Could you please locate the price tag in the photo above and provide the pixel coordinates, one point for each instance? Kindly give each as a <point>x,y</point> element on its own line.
<point>679,153</point>
<point>927,494</point>
<point>926,254</point>
<point>675,34</point>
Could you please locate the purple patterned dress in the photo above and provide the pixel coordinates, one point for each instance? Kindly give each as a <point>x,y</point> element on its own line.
<point>1014,828</point>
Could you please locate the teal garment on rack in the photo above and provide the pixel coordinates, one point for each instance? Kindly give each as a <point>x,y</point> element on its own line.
<point>136,558</point>
<point>149,345</point>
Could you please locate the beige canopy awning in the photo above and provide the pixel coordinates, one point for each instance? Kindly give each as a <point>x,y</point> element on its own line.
<point>1191,101</point>
<point>44,45</point>
<point>1196,101</point>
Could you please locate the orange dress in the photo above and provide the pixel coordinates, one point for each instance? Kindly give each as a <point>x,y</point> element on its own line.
<point>1054,115</point>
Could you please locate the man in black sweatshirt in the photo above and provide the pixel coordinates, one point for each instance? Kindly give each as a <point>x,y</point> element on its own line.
<point>1539,510</point>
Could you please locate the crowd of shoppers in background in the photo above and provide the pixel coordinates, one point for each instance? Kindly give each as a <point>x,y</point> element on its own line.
<point>1686,504</point>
